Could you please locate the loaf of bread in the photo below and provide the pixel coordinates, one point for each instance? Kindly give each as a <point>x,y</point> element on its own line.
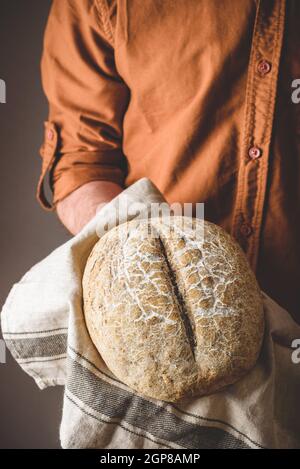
<point>172,314</point>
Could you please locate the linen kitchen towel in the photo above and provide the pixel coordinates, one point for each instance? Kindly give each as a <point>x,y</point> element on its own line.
<point>44,328</point>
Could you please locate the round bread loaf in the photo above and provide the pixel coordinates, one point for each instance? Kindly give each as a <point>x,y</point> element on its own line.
<point>172,313</point>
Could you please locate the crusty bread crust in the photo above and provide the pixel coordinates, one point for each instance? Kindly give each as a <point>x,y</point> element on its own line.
<point>173,315</point>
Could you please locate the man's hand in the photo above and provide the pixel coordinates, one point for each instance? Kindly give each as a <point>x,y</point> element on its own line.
<point>78,208</point>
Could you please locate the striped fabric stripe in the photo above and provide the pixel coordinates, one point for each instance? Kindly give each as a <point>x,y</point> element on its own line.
<point>49,346</point>
<point>121,405</point>
<point>111,403</point>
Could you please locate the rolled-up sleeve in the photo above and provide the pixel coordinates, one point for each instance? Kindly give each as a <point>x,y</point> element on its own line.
<point>87,101</point>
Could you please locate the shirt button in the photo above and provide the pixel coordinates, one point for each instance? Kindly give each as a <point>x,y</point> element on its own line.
<point>246,229</point>
<point>254,153</point>
<point>263,67</point>
<point>50,135</point>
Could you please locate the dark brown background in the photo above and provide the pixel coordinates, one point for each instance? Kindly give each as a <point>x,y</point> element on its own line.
<point>29,418</point>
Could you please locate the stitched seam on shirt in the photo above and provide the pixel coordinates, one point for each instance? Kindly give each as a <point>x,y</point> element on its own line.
<point>261,174</point>
<point>251,91</point>
<point>270,107</point>
<point>263,170</point>
<point>274,78</point>
<point>248,124</point>
<point>103,15</point>
<point>252,118</point>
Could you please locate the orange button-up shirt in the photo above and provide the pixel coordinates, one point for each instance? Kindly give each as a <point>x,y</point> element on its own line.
<point>195,95</point>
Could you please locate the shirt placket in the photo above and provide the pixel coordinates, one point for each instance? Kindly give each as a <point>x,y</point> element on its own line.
<point>257,133</point>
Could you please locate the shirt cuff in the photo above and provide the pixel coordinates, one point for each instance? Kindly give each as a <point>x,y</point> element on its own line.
<point>65,182</point>
<point>67,172</point>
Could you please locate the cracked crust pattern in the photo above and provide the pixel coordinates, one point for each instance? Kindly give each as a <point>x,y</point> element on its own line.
<point>173,314</point>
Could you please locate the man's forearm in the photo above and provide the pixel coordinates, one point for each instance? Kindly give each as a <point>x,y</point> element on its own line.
<point>78,208</point>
